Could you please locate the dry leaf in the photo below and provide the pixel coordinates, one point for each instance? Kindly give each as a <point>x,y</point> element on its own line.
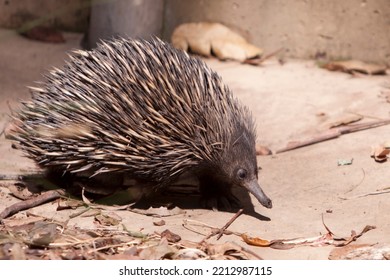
<point>262,150</point>
<point>158,252</point>
<point>255,241</point>
<point>21,192</point>
<point>108,219</point>
<point>44,34</point>
<point>316,241</point>
<point>213,38</point>
<point>170,236</point>
<point>229,251</point>
<point>380,153</point>
<point>159,223</point>
<point>352,66</point>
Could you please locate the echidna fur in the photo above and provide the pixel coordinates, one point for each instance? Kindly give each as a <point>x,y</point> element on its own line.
<point>143,108</point>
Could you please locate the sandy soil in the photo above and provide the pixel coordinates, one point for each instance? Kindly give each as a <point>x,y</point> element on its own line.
<point>291,101</point>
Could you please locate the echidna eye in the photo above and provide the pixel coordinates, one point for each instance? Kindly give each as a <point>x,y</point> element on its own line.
<point>241,174</point>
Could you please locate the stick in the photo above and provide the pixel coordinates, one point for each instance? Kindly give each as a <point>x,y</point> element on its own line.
<point>377,192</point>
<point>258,61</point>
<point>27,204</point>
<point>222,230</point>
<point>333,133</point>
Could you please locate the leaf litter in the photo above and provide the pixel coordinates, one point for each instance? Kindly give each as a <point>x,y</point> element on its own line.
<point>50,240</point>
<point>356,66</point>
<point>381,153</point>
<point>328,238</point>
<point>25,237</point>
<point>40,238</point>
<point>208,39</point>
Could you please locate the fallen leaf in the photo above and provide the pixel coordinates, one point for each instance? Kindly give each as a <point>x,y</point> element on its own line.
<point>20,191</point>
<point>380,153</point>
<point>255,241</point>
<point>170,236</point>
<point>44,34</point>
<point>341,241</point>
<point>352,66</point>
<point>229,251</point>
<point>108,219</point>
<point>158,252</point>
<point>159,223</point>
<point>262,150</point>
<point>316,241</point>
<point>213,38</point>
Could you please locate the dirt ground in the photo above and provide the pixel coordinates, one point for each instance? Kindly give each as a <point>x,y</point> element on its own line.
<point>290,102</point>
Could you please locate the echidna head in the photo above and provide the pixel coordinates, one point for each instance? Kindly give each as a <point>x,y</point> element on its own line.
<point>240,165</point>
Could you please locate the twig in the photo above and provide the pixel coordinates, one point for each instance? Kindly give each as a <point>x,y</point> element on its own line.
<point>361,181</point>
<point>333,133</point>
<point>82,211</point>
<point>213,229</point>
<point>27,204</point>
<point>382,191</point>
<point>222,230</point>
<point>258,61</point>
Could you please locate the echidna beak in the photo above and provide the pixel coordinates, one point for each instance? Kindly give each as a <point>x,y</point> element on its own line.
<point>254,188</point>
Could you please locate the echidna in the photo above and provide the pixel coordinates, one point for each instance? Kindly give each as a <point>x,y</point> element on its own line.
<point>143,108</point>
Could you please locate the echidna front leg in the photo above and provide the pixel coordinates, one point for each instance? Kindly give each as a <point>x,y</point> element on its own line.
<point>216,194</point>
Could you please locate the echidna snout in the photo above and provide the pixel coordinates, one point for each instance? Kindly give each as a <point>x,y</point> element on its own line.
<point>254,188</point>
<point>236,167</point>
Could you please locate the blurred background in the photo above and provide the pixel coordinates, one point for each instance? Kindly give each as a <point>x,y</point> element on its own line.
<point>347,29</point>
